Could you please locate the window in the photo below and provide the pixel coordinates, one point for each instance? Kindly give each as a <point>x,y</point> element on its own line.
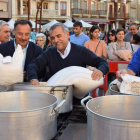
<point>93,5</point>
<point>119,7</point>
<point>84,4</point>
<point>37,5</point>
<point>45,5</point>
<point>56,6</point>
<point>3,6</point>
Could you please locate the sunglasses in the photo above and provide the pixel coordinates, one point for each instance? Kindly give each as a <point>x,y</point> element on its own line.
<point>111,35</point>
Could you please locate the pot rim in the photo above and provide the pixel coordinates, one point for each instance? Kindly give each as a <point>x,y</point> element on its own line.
<point>38,109</point>
<point>107,116</point>
<point>5,89</point>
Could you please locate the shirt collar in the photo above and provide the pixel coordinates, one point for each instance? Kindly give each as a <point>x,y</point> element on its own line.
<point>66,52</point>
<point>24,48</point>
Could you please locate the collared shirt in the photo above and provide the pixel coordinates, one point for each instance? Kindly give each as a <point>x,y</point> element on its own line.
<point>66,52</point>
<point>24,53</point>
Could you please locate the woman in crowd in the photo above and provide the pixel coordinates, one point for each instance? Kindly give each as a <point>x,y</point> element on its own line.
<point>111,37</point>
<point>94,44</point>
<point>48,42</point>
<point>40,40</point>
<point>135,43</point>
<point>119,50</point>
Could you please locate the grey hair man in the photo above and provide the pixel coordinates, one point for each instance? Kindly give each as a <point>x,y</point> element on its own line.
<point>133,29</point>
<point>4,31</point>
<point>63,55</point>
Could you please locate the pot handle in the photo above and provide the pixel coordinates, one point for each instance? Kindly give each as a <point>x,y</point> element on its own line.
<point>57,108</point>
<point>84,99</point>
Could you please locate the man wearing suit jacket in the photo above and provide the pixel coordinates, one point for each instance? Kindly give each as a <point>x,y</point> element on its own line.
<point>22,34</point>
<point>63,55</point>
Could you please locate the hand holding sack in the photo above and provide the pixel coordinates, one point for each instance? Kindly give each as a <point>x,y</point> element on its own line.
<point>79,77</point>
<point>11,68</point>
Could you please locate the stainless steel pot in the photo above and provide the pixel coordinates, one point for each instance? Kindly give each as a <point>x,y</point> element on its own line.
<point>3,88</point>
<point>27,115</point>
<point>113,117</point>
<point>61,92</point>
<point>113,90</point>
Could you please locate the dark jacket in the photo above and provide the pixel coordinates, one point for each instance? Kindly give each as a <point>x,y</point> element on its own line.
<point>33,51</point>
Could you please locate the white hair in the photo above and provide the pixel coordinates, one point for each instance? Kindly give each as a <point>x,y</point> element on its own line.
<point>2,23</point>
<point>41,35</point>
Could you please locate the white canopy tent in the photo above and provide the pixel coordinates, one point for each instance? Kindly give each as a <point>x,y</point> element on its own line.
<point>69,24</point>
<point>34,24</point>
<point>87,25</point>
<point>11,23</point>
<point>48,25</point>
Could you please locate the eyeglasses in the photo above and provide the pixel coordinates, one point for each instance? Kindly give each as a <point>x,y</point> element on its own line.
<point>111,35</point>
<point>39,40</point>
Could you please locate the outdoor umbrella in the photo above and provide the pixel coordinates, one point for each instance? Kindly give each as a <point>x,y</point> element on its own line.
<point>69,24</point>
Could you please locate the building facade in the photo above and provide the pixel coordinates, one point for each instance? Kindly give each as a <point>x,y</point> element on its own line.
<point>5,10</point>
<point>102,12</point>
<point>51,9</point>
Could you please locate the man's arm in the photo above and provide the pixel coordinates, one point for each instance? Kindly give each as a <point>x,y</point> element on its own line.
<point>36,66</point>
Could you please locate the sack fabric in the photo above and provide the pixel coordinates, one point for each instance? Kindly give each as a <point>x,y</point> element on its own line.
<point>12,72</point>
<point>130,84</point>
<point>79,77</point>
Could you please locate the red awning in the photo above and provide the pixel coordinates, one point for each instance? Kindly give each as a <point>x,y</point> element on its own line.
<point>93,20</point>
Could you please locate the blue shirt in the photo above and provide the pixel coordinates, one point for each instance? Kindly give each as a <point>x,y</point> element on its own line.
<point>134,64</point>
<point>24,53</point>
<point>79,40</point>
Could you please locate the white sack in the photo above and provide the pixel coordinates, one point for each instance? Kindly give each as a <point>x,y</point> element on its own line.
<point>79,77</point>
<point>11,73</point>
<point>130,84</point>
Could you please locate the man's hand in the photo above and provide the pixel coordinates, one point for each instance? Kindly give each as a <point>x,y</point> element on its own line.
<point>34,82</point>
<point>97,74</point>
<point>118,74</point>
<point>24,74</point>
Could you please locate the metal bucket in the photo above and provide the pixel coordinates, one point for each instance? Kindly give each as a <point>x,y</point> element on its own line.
<point>61,92</point>
<point>27,115</point>
<point>113,117</point>
<point>3,88</point>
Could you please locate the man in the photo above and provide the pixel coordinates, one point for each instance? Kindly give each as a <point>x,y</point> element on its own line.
<point>22,34</point>
<point>133,30</point>
<point>4,32</point>
<point>133,67</point>
<point>78,37</point>
<point>63,55</point>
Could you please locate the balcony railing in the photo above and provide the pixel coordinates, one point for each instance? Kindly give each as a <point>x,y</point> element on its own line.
<point>119,16</point>
<point>89,12</point>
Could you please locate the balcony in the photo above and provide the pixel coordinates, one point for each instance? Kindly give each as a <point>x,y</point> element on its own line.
<point>121,1</point>
<point>77,11</point>
<point>119,16</point>
<point>4,14</point>
<point>133,5</point>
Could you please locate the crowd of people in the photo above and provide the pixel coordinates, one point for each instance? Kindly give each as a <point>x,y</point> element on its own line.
<point>57,49</point>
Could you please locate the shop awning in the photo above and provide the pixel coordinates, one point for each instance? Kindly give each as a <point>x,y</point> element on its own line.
<point>93,20</point>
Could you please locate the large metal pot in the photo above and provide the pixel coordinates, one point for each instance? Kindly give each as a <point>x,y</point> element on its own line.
<point>3,88</point>
<point>61,92</point>
<point>27,115</point>
<point>113,117</point>
<point>113,90</point>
